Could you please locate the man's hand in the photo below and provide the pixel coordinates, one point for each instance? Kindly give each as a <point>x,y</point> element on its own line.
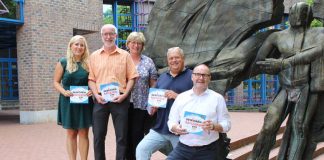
<point>178,130</point>
<point>153,110</point>
<point>120,98</point>
<point>99,99</point>
<point>171,94</point>
<point>207,125</point>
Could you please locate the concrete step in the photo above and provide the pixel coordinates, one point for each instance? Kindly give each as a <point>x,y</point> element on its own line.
<point>274,152</point>
<point>318,154</point>
<point>243,152</point>
<point>242,148</point>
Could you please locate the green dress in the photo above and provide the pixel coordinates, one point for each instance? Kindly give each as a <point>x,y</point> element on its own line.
<point>74,116</point>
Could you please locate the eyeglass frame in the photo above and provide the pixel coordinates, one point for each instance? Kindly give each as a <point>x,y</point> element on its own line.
<point>201,75</point>
<point>136,43</point>
<point>109,33</point>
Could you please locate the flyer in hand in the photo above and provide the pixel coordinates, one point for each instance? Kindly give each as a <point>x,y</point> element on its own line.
<point>192,122</point>
<point>157,98</point>
<point>79,94</point>
<point>109,91</point>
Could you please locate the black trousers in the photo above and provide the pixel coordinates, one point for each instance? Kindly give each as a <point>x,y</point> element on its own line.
<point>140,123</point>
<point>119,112</point>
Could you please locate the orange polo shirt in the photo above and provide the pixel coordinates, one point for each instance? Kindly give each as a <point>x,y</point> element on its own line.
<point>116,66</point>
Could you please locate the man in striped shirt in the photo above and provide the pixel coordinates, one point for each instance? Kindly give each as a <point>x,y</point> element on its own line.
<point>111,64</point>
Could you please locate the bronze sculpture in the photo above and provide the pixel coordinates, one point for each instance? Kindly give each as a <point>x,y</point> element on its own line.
<point>298,46</point>
<point>222,34</point>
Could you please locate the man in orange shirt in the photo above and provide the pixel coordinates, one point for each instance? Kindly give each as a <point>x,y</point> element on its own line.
<point>111,64</point>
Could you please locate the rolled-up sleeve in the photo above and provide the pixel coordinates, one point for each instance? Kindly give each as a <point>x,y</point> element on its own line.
<point>90,65</point>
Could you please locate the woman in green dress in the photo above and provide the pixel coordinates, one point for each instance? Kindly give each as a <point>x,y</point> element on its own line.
<point>76,118</point>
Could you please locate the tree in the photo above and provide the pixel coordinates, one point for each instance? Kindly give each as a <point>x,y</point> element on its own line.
<point>107,14</point>
<point>315,22</point>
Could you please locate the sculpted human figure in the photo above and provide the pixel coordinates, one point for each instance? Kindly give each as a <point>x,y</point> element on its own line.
<point>297,46</point>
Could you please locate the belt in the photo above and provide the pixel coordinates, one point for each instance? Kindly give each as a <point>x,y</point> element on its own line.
<point>199,147</point>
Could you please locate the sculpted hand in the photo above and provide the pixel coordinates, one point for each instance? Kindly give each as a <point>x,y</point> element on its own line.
<point>171,94</point>
<point>271,65</point>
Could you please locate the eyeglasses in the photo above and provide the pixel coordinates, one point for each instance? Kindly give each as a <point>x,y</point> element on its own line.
<point>136,43</point>
<point>201,75</point>
<point>109,33</point>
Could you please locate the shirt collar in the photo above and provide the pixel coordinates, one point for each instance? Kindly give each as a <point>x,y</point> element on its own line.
<point>102,50</point>
<point>193,94</point>
<point>142,56</point>
<point>183,70</point>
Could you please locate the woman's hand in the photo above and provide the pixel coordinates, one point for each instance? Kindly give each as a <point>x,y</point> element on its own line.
<point>67,93</point>
<point>89,93</point>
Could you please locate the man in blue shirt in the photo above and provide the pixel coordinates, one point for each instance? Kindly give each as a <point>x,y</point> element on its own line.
<point>176,80</point>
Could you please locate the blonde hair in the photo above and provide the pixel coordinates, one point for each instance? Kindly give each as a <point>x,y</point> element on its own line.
<point>136,37</point>
<point>71,63</point>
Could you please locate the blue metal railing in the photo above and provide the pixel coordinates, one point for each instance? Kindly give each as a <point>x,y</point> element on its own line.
<point>20,19</point>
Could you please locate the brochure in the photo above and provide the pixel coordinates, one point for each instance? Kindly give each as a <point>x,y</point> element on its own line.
<point>192,122</point>
<point>157,98</point>
<point>109,91</point>
<point>79,94</point>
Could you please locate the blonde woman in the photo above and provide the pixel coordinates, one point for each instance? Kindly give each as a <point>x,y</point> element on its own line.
<point>139,121</point>
<point>76,118</point>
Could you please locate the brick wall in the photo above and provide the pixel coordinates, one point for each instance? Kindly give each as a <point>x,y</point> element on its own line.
<point>43,39</point>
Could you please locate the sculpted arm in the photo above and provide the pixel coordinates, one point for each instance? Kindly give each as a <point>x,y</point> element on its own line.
<point>267,47</point>
<point>305,57</point>
<point>269,65</point>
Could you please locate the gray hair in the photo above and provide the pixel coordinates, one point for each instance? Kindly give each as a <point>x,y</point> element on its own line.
<point>109,26</point>
<point>178,49</point>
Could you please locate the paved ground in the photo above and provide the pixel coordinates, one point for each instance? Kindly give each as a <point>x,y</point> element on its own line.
<point>47,140</point>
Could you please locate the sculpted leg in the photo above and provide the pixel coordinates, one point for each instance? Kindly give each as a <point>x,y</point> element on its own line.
<point>316,131</point>
<point>272,121</point>
<point>301,126</point>
<point>298,132</point>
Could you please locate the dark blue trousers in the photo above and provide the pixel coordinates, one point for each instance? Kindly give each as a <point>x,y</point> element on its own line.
<point>184,152</point>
